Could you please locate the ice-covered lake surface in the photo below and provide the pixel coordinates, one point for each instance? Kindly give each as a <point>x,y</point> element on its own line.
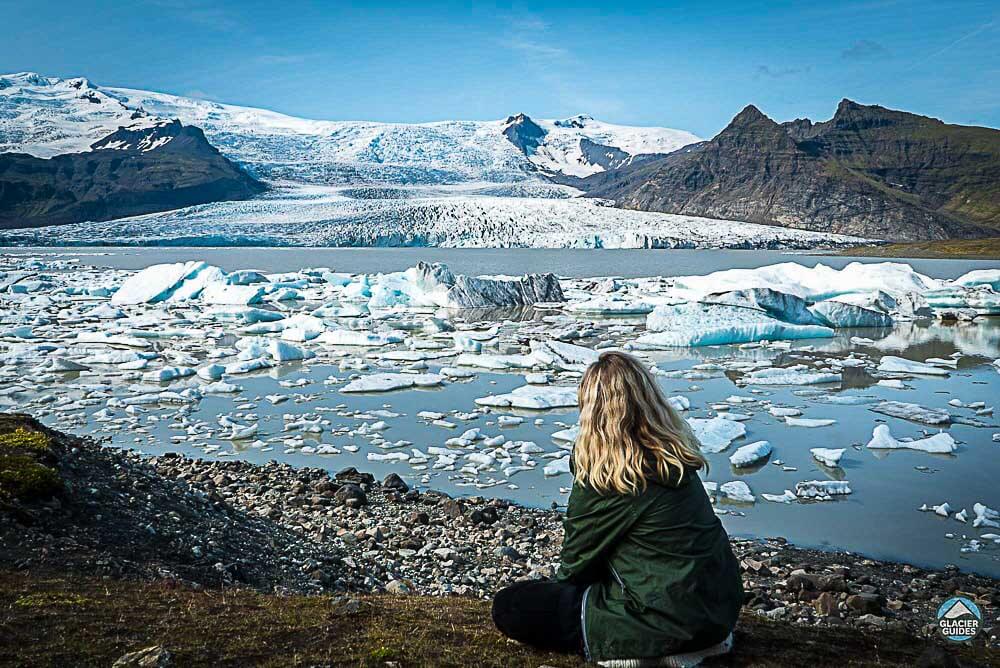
<point>165,361</point>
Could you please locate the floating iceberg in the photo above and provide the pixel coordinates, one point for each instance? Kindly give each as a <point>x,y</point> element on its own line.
<point>882,439</point>
<point>841,314</point>
<point>563,356</point>
<point>794,375</point>
<point>809,422</point>
<point>779,305</point>
<point>737,491</point>
<point>533,397</point>
<point>155,283</point>
<point>893,364</point>
<point>827,456</point>
<point>694,324</point>
<point>814,283</point>
<point>750,454</point>
<point>435,285</point>
<point>822,489</point>
<point>385,382</point>
<point>715,434</point>
<point>611,306</point>
<point>977,277</point>
<point>913,412</point>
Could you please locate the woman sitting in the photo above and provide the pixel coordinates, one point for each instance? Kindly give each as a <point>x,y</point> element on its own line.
<point>647,576</point>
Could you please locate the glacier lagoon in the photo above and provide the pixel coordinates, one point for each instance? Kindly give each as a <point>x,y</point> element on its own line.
<point>295,410</point>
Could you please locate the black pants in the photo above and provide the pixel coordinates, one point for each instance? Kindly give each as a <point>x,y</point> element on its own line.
<point>545,615</point>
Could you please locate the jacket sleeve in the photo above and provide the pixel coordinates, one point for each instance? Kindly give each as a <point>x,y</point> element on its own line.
<point>593,526</point>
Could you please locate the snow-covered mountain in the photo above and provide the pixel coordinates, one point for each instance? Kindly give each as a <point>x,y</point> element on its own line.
<point>46,116</point>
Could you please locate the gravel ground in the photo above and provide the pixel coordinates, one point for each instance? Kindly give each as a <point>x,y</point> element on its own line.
<point>285,529</point>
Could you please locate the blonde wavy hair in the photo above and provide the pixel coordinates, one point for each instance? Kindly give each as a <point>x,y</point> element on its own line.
<point>629,432</point>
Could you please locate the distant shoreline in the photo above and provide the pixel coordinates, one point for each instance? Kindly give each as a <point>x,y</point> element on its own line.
<point>957,249</point>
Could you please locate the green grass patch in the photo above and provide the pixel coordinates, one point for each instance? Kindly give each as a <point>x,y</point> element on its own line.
<point>972,249</point>
<point>42,624</point>
<point>23,478</point>
<point>48,599</point>
<point>23,441</point>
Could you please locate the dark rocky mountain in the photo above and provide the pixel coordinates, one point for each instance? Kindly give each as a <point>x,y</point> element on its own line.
<point>869,171</point>
<point>133,171</point>
<point>523,133</point>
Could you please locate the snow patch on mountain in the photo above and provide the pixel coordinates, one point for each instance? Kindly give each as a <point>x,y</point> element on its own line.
<point>45,116</point>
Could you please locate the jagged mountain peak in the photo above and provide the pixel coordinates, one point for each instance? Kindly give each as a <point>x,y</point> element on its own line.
<point>750,115</point>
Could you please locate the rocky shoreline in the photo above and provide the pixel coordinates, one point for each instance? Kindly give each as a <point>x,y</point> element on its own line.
<point>282,529</point>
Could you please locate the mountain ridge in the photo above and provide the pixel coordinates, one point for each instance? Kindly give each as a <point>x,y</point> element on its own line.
<point>40,115</point>
<point>140,169</point>
<point>868,171</point>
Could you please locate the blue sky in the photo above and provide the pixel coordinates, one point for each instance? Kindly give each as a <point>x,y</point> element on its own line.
<point>685,65</point>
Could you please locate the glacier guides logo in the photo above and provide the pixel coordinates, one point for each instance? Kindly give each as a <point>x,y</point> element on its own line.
<point>959,619</point>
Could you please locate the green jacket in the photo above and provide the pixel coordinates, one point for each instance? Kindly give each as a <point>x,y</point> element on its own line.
<point>662,576</point>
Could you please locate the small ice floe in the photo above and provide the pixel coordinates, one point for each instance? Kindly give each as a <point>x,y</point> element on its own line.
<point>536,378</point>
<point>737,491</point>
<point>679,402</point>
<point>822,490</point>
<point>892,384</point>
<point>787,497</point>
<point>430,415</point>
<point>496,362</point>
<point>913,412</point>
<point>360,339</point>
<point>750,454</point>
<point>385,382</point>
<point>715,434</point>
<point>562,356</point>
<point>783,412</point>
<point>942,509</point>
<point>800,374</point>
<point>809,422</point>
<point>985,516</point>
<point>509,421</point>
<point>567,435</point>
<point>532,397</point>
<point>828,456</point>
<point>612,306</point>
<point>220,387</point>
<point>455,374</point>
<point>168,373</point>
<point>111,339</point>
<point>557,467</point>
<point>891,364</point>
<point>882,439</point>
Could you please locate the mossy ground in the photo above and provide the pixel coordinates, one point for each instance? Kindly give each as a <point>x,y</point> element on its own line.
<point>971,249</point>
<point>55,619</point>
<point>23,473</point>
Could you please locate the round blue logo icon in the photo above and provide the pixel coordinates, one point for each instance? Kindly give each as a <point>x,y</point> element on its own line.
<point>959,619</point>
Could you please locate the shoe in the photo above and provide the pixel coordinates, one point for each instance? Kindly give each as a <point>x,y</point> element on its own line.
<point>686,660</point>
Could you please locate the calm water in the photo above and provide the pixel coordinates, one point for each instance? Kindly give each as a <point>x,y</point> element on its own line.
<point>880,518</point>
<point>478,261</point>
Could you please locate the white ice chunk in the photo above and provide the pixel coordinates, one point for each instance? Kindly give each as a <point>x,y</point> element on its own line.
<point>750,454</point>
<point>715,434</point>
<point>828,456</point>
<point>532,397</point>
<point>384,382</point>
<point>900,365</point>
<point>941,443</point>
